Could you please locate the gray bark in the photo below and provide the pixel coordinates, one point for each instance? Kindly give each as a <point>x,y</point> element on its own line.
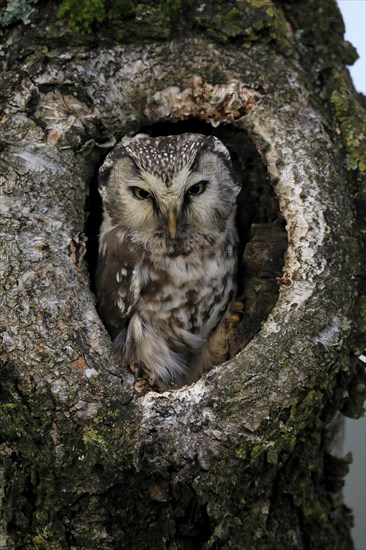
<point>242,458</point>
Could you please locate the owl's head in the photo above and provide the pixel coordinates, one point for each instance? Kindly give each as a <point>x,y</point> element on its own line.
<point>172,192</point>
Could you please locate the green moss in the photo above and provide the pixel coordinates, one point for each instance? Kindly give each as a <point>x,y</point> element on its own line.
<point>244,22</point>
<point>92,438</point>
<point>122,20</point>
<point>86,15</point>
<point>122,8</point>
<point>350,118</point>
<point>82,14</point>
<point>41,542</point>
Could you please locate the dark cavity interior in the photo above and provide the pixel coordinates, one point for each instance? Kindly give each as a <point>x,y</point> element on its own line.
<point>262,230</point>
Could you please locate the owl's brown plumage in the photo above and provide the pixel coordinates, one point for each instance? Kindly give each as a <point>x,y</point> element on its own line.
<point>167,252</point>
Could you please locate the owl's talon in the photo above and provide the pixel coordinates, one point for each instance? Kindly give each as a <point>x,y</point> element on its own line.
<point>136,369</point>
<point>235,314</point>
<point>237,307</point>
<point>143,386</point>
<point>233,319</point>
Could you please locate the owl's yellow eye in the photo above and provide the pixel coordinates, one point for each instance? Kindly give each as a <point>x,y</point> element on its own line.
<point>197,188</point>
<point>140,193</point>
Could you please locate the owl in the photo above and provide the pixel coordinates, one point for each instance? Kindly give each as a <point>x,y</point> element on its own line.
<point>167,261</point>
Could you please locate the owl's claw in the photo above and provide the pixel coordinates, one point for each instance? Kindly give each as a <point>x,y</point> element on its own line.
<point>237,306</point>
<point>235,314</point>
<point>143,386</point>
<point>136,369</point>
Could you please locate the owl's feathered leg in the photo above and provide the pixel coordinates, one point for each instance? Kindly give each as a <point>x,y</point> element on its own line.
<point>161,354</point>
<point>200,363</point>
<point>136,369</point>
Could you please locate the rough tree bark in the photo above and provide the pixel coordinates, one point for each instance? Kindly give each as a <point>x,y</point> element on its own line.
<point>243,458</point>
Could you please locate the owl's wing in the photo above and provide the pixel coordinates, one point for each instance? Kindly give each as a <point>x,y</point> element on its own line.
<point>116,281</point>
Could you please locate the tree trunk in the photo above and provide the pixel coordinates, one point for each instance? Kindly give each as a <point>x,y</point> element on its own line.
<point>243,458</point>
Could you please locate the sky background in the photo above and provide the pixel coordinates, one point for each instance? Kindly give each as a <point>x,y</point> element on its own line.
<point>354,17</point>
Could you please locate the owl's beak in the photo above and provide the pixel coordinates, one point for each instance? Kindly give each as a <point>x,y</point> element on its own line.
<point>172,223</point>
